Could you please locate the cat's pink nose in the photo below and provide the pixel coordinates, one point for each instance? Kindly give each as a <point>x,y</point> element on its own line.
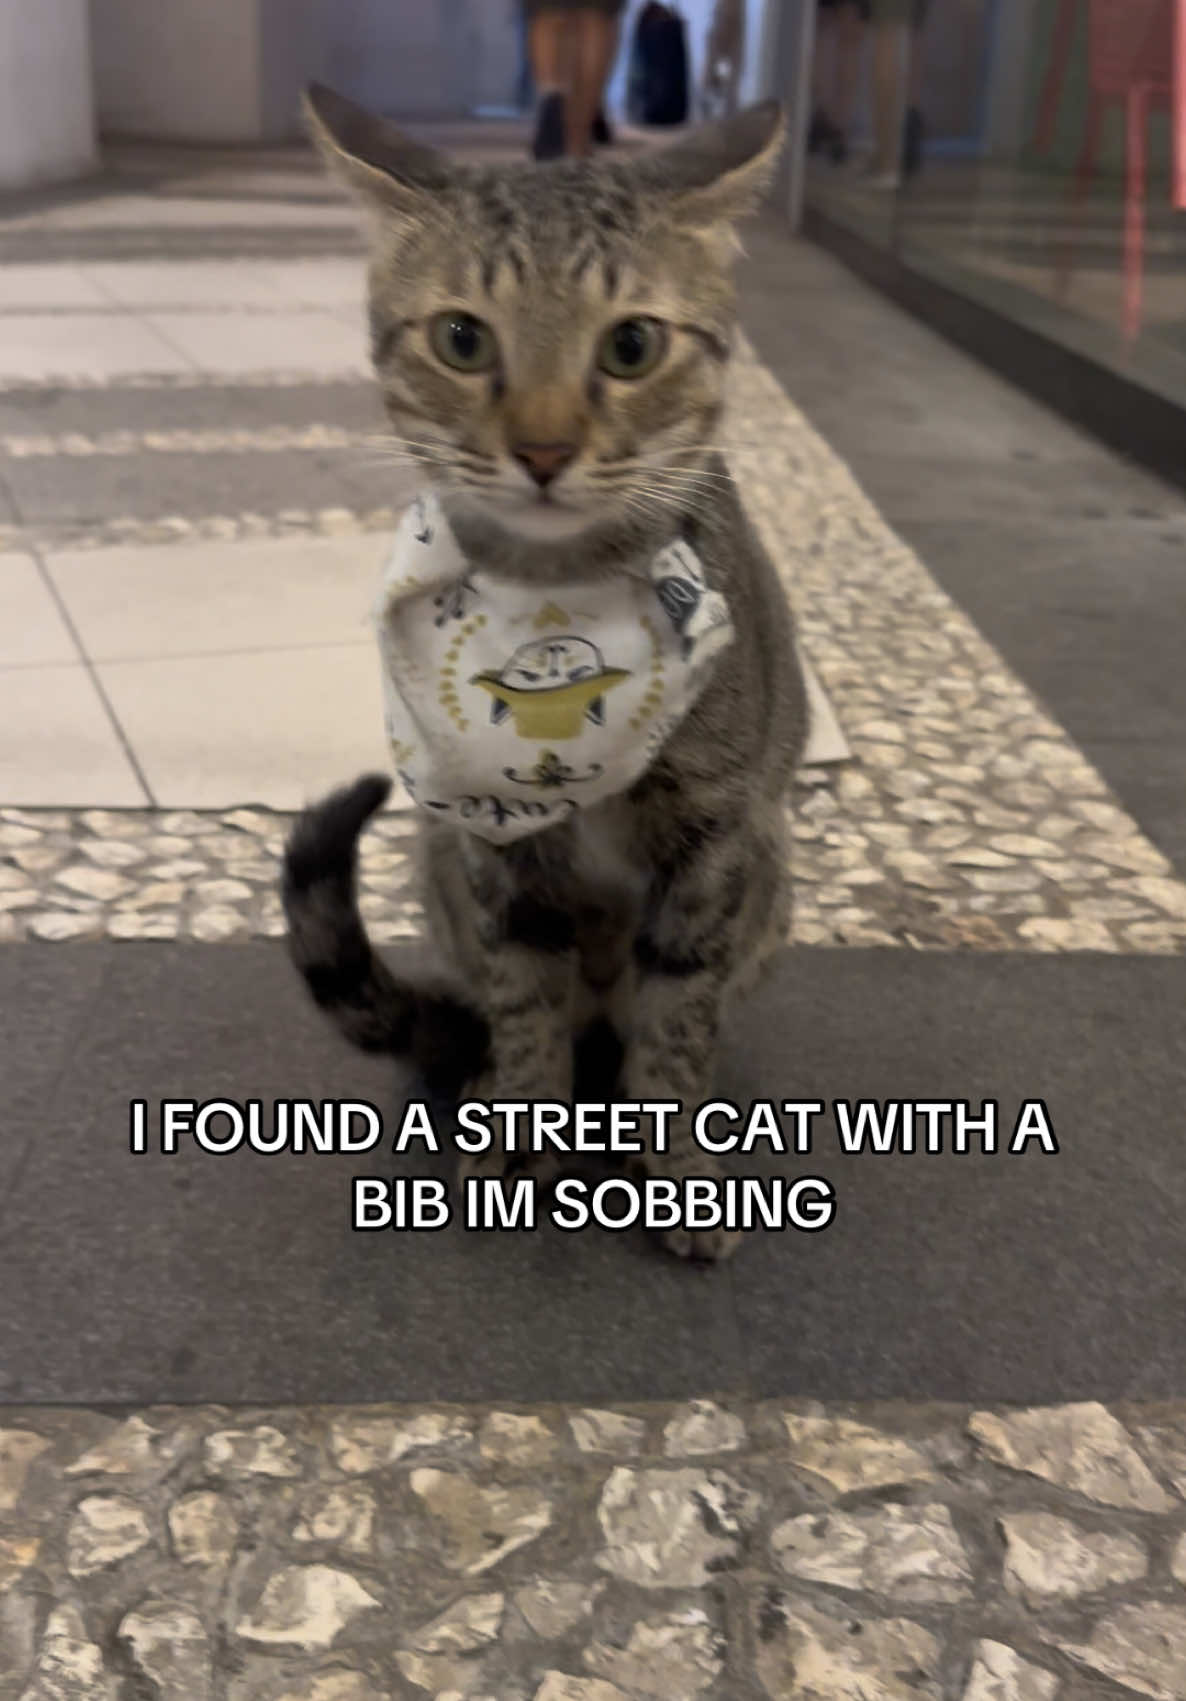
<point>544,461</point>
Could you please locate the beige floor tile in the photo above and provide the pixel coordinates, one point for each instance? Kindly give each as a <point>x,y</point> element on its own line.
<point>57,743</point>
<point>32,631</point>
<point>313,341</point>
<point>283,284</point>
<point>186,283</point>
<point>276,727</point>
<point>36,287</point>
<point>334,284</point>
<point>197,599</point>
<point>83,345</point>
<point>106,211</point>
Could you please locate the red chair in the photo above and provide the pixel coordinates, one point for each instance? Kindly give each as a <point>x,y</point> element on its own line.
<point>1180,106</point>
<point>1131,59</point>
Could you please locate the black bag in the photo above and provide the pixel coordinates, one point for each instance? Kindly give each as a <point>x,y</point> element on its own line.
<point>658,84</point>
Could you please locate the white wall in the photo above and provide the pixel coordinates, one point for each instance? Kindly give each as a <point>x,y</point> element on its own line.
<point>46,115</point>
<point>409,57</point>
<point>232,70</point>
<point>494,52</point>
<point>293,37</point>
<point>180,68</point>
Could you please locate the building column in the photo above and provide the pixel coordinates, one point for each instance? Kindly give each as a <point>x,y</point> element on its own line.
<point>47,125</point>
<point>205,70</point>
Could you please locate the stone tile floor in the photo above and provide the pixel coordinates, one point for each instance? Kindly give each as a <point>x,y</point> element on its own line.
<point>966,819</point>
<point>652,1553</point>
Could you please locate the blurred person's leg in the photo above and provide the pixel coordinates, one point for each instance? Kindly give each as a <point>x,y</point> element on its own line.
<point>914,126</point>
<point>595,40</point>
<point>602,133</point>
<point>822,73</point>
<point>892,30</point>
<point>841,31</point>
<point>549,39</point>
<point>851,24</point>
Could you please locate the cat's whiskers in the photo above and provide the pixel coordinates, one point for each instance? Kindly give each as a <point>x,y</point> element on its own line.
<point>390,460</point>
<point>437,449</point>
<point>645,502</point>
<point>652,470</point>
<point>642,494</point>
<point>701,474</point>
<point>648,501</point>
<point>680,482</point>
<point>678,479</point>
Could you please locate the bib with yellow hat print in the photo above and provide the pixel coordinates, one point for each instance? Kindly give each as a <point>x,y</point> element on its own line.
<point>509,706</point>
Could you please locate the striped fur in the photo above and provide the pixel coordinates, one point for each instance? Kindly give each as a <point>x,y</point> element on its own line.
<point>651,911</point>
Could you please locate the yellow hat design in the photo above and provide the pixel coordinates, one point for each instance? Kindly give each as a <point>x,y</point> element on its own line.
<point>550,687</point>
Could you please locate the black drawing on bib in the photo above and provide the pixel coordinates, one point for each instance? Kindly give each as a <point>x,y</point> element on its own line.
<point>551,771</point>
<point>451,604</point>
<point>423,529</point>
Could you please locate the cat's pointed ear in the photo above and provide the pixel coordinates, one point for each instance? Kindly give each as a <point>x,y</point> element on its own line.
<point>719,172</point>
<point>381,166</point>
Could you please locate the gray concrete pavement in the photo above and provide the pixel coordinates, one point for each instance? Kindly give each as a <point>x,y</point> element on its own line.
<point>1021,1277</point>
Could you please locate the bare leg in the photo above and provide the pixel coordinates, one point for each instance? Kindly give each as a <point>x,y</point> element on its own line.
<point>913,126</point>
<point>823,68</point>
<point>547,44</point>
<point>593,43</point>
<point>915,79</point>
<point>551,43</point>
<point>837,64</point>
<point>891,43</point>
<point>850,32</point>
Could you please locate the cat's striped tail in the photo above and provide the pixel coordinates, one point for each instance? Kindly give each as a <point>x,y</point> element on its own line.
<point>432,1026</point>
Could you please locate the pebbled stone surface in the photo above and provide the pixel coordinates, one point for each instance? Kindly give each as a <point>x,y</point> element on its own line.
<point>839,1553</point>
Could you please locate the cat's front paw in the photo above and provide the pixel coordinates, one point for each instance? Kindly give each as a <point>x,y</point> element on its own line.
<point>702,1246</point>
<point>496,1165</point>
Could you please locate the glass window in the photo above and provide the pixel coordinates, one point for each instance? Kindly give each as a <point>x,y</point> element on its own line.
<point>1020,151</point>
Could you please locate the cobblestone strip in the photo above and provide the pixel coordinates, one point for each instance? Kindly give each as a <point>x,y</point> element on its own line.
<point>178,874</point>
<point>198,379</point>
<point>239,440</point>
<point>213,877</point>
<point>969,817</point>
<point>132,531</point>
<point>713,1551</point>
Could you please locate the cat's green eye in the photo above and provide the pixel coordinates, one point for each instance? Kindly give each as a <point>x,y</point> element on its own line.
<point>632,348</point>
<point>463,342</point>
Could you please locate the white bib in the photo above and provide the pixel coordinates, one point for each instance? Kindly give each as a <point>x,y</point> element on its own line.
<point>510,705</point>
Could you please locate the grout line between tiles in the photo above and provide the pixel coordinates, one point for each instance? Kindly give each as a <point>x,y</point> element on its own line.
<point>133,760</point>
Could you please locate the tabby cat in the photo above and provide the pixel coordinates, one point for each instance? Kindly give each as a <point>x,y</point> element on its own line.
<point>552,343</point>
